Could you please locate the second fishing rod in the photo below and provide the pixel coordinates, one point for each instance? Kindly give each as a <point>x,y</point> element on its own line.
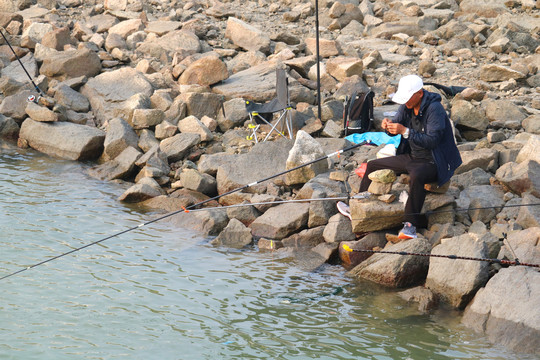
<point>184,209</point>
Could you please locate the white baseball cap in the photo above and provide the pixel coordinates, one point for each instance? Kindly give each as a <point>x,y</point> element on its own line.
<point>408,85</point>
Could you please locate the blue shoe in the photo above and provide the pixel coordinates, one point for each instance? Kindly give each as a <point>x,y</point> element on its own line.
<point>344,209</point>
<point>408,232</point>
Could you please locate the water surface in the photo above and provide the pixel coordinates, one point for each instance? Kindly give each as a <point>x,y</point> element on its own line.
<point>165,293</point>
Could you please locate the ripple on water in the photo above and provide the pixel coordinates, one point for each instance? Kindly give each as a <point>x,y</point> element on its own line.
<point>160,292</point>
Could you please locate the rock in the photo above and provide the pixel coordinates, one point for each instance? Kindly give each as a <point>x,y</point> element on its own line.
<point>207,70</point>
<point>162,27</point>
<point>14,106</point>
<point>502,110</point>
<point>72,63</point>
<point>466,179</point>
<point>16,72</point>
<point>71,99</point>
<point>494,72</point>
<point>371,241</point>
<point>126,27</point>
<point>512,321</point>
<point>246,213</point>
<point>120,135</point>
<point>235,235</point>
<point>485,159</point>
<point>484,205</point>
<point>121,167</point>
<point>305,150</point>
<point>141,191</point>
<point>396,270</point>
<point>320,211</point>
<point>246,36</point>
<point>8,128</point>
<point>165,130</point>
<point>147,140</point>
<point>192,125</point>
<point>530,150</point>
<point>57,39</point>
<point>532,124</point>
<point>456,281</point>
<point>332,130</point>
<point>235,114</point>
<point>179,145</point>
<point>264,160</point>
<point>327,48</point>
<point>202,104</point>
<point>194,180</point>
<point>281,221</point>
<point>520,178</point>
<point>384,176</point>
<point>184,42</point>
<point>338,229</point>
<point>468,116</point>
<point>425,298</point>
<point>64,140</point>
<point>40,113</point>
<point>308,238</point>
<point>484,8</point>
<point>110,93</point>
<point>374,215</point>
<point>146,118</point>
<point>210,223</point>
<point>344,67</point>
<point>529,216</point>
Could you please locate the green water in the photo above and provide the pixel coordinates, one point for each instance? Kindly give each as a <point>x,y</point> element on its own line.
<point>165,293</point>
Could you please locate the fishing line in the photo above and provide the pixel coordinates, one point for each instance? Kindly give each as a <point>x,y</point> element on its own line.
<point>184,209</point>
<point>30,98</point>
<point>451,257</point>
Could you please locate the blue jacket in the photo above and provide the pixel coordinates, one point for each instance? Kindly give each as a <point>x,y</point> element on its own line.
<point>437,134</point>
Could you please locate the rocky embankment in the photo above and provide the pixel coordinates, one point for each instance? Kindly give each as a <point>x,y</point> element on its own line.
<point>154,92</point>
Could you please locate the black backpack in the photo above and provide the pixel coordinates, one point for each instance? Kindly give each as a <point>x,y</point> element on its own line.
<point>358,113</point>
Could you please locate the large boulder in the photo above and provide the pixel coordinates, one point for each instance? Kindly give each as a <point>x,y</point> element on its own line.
<point>520,178</point>
<point>506,310</point>
<point>70,64</point>
<point>247,36</point>
<point>119,137</point>
<point>281,221</point>
<point>374,215</point>
<point>109,91</point>
<point>456,281</point>
<point>184,42</point>
<point>396,270</point>
<point>264,160</point>
<point>121,167</point>
<point>235,235</point>
<point>208,70</point>
<point>16,72</point>
<point>178,146</point>
<point>63,139</point>
<point>305,150</point>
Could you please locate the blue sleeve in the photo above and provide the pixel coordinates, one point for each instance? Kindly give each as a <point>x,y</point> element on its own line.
<point>434,129</point>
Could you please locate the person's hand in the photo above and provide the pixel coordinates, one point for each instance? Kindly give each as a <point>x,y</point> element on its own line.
<point>395,128</point>
<point>385,123</point>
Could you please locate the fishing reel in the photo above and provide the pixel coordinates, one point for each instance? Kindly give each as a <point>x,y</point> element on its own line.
<point>34,99</point>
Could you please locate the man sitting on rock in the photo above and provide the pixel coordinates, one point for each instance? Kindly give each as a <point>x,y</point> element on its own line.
<point>433,155</point>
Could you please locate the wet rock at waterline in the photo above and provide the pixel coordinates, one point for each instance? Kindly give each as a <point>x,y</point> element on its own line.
<point>63,139</point>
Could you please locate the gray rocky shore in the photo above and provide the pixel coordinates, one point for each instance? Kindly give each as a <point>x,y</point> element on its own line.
<point>153,92</point>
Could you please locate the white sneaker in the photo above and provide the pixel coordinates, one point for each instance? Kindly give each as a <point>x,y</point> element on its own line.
<point>344,209</point>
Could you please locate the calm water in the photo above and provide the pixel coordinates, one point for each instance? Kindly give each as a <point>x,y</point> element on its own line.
<point>165,293</point>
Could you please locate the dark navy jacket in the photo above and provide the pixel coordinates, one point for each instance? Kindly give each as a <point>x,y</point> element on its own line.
<point>437,134</point>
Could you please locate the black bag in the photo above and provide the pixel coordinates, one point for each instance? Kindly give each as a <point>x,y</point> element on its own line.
<point>358,113</point>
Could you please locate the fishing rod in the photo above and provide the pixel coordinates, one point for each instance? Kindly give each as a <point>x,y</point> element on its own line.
<point>31,97</point>
<point>185,209</point>
<point>451,257</point>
